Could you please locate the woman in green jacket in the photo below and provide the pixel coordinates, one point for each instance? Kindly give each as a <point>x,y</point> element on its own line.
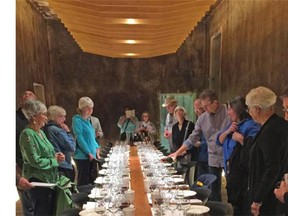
<point>40,160</point>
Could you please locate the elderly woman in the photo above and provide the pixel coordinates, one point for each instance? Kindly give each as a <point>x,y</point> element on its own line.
<point>180,132</point>
<point>241,132</point>
<point>59,135</point>
<point>146,127</point>
<point>182,129</point>
<point>87,148</point>
<point>266,151</point>
<point>39,157</point>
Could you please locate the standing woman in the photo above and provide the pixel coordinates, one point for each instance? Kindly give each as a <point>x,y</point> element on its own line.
<point>40,163</point>
<point>146,127</point>
<point>180,132</point>
<point>87,149</point>
<point>59,135</point>
<point>265,153</point>
<point>240,132</point>
<point>127,124</point>
<point>181,129</point>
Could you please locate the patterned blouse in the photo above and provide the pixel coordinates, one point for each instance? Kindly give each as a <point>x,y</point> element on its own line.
<point>38,156</point>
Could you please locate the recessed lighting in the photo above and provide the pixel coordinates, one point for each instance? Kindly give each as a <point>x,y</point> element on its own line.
<point>131,21</point>
<point>130,41</point>
<point>130,54</point>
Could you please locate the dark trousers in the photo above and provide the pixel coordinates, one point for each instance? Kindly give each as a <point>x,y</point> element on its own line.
<point>202,168</point>
<point>87,171</point>
<point>69,173</point>
<point>42,199</point>
<point>25,198</point>
<point>216,186</point>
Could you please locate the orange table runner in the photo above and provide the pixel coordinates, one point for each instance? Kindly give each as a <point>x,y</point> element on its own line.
<point>137,184</point>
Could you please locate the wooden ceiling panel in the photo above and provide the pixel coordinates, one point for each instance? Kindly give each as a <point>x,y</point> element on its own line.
<point>104,27</point>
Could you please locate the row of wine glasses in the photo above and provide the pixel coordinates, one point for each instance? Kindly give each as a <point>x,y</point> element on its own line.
<point>167,195</point>
<point>116,177</point>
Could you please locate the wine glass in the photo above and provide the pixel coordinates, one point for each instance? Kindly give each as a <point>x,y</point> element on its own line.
<point>159,200</point>
<point>114,205</point>
<point>172,202</point>
<point>100,207</point>
<point>180,198</point>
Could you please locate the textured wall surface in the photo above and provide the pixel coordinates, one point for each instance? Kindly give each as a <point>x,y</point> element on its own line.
<point>254,45</point>
<point>32,50</point>
<point>254,52</point>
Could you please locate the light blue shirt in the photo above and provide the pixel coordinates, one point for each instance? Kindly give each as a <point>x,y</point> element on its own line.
<point>209,125</point>
<point>85,137</point>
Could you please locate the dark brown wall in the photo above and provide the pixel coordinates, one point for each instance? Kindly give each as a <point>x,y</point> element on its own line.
<point>32,50</point>
<point>254,52</point>
<point>254,45</point>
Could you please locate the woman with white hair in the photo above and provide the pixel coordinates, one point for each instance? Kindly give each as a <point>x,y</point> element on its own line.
<point>61,138</point>
<point>180,132</point>
<point>266,152</point>
<point>146,128</point>
<point>87,148</point>
<point>40,162</point>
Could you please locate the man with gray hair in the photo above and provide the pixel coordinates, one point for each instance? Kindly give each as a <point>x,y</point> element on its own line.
<point>22,183</point>
<point>97,126</point>
<point>213,120</point>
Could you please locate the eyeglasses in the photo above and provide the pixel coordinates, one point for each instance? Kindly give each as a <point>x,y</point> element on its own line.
<point>205,105</point>
<point>285,109</point>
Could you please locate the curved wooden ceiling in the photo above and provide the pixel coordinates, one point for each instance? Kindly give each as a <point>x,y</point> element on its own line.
<point>130,28</point>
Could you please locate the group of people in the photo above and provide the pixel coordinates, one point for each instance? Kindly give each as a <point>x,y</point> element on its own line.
<point>247,139</point>
<point>130,125</point>
<point>44,149</point>
<point>178,128</point>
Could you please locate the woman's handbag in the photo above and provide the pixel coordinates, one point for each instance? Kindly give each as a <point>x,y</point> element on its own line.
<point>182,161</point>
<point>123,135</point>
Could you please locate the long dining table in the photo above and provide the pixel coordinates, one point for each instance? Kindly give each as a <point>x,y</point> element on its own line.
<point>141,203</point>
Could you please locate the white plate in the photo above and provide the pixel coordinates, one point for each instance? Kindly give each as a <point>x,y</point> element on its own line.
<point>42,184</point>
<point>99,180</point>
<point>198,209</point>
<point>95,196</point>
<point>187,201</point>
<point>89,212</point>
<point>102,172</point>
<point>188,193</point>
<point>178,180</point>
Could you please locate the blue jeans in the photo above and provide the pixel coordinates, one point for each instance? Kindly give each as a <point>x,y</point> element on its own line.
<point>216,186</point>
<point>25,198</point>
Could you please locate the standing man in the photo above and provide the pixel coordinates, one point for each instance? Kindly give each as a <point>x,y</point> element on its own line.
<point>22,183</point>
<point>170,104</point>
<point>202,162</point>
<point>281,193</point>
<point>97,126</point>
<point>213,120</point>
